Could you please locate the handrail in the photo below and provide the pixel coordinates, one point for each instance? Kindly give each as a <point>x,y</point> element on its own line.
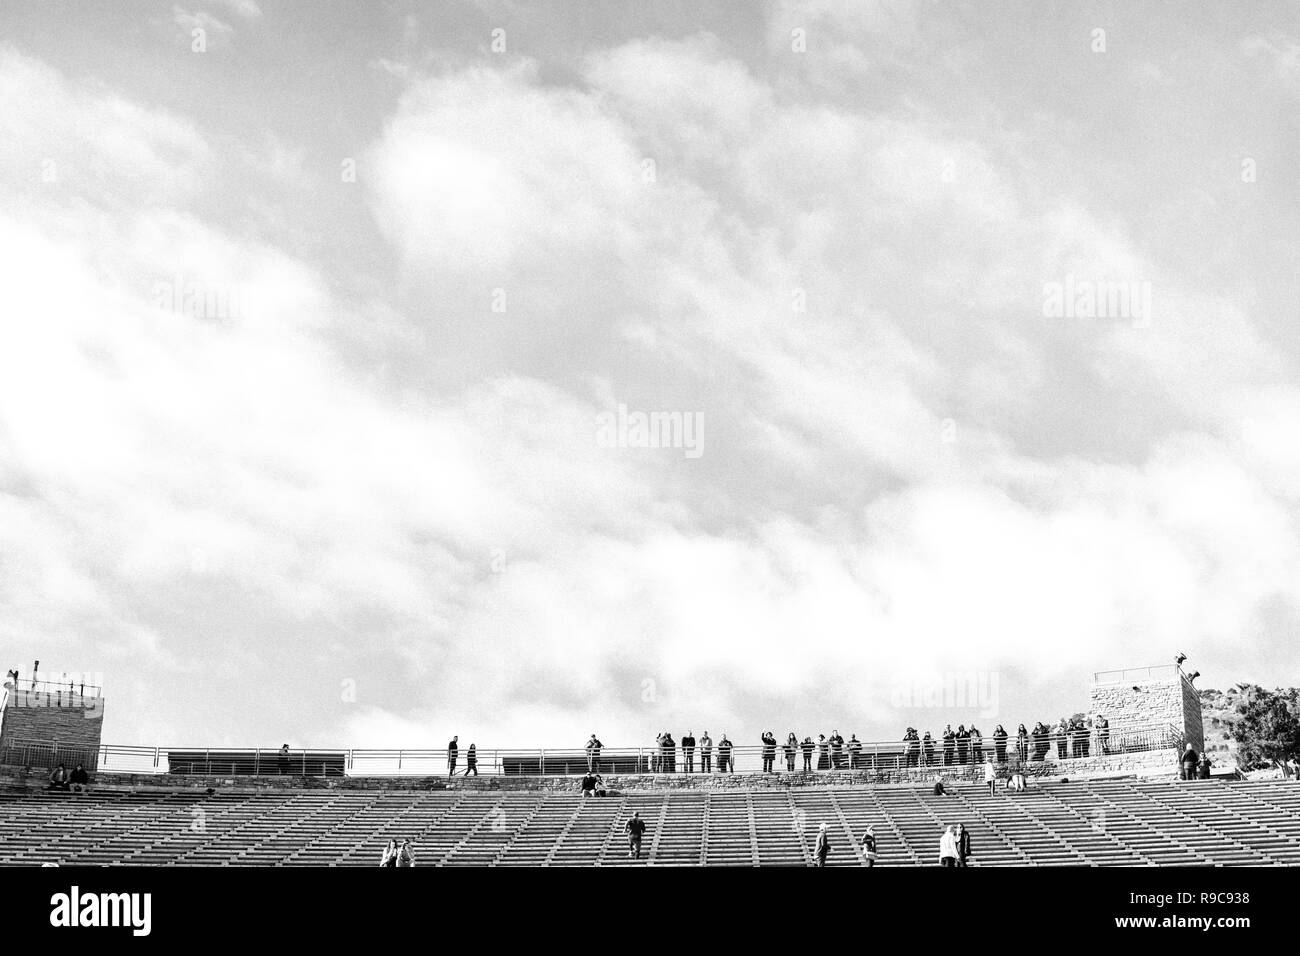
<point>80,687</point>
<point>569,761</point>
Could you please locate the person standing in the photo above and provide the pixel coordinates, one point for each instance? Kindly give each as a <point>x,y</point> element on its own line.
<point>962,839</point>
<point>1188,763</point>
<point>1022,743</point>
<point>823,848</point>
<point>1000,744</point>
<point>869,846</point>
<point>706,753</point>
<point>593,754</point>
<point>725,763</point>
<point>688,751</point>
<point>990,776</point>
<point>282,760</point>
<point>1103,735</point>
<point>976,745</point>
<point>635,828</point>
<point>471,761</point>
<point>949,745</point>
<point>656,755</point>
<point>947,848</point>
<point>769,750</point>
<point>823,753</point>
<point>927,749</point>
<point>452,749</point>
<point>963,744</point>
<point>670,753</point>
<point>855,752</point>
<point>807,747</point>
<point>837,750</point>
<point>790,749</point>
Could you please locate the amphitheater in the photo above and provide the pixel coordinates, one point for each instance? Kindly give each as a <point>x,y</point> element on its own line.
<point>1123,807</point>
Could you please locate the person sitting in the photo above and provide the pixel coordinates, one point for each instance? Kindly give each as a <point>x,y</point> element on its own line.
<point>59,778</point>
<point>938,787</point>
<point>406,854</point>
<point>389,857</point>
<point>80,780</point>
<point>588,784</point>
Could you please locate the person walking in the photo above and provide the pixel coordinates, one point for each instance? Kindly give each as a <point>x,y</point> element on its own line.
<point>869,852</point>
<point>706,753</point>
<point>452,749</point>
<point>823,848</point>
<point>471,761</point>
<point>635,828</point>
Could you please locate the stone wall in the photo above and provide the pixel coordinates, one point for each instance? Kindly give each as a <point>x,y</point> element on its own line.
<point>1146,763</point>
<point>72,725</point>
<point>1162,698</point>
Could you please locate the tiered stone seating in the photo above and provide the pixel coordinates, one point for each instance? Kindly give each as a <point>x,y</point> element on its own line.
<point>1098,822</point>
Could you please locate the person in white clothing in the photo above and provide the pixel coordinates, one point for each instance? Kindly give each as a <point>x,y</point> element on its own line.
<point>948,848</point>
<point>990,776</point>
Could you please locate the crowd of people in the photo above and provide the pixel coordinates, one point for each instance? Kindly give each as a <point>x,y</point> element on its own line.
<point>1074,737</point>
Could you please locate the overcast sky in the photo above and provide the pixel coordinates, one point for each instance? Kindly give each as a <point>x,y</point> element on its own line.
<point>358,494</point>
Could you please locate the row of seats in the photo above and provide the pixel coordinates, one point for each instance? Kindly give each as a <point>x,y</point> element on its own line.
<point>1106,823</point>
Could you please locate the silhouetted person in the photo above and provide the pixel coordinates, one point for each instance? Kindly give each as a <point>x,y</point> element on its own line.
<point>962,839</point>
<point>837,750</point>
<point>855,752</point>
<point>789,750</point>
<point>80,779</point>
<point>976,745</point>
<point>807,747</point>
<point>823,753</point>
<point>963,744</point>
<point>453,748</point>
<point>635,828</point>
<point>725,763</point>
<point>688,751</point>
<point>927,749</point>
<point>706,753</point>
<point>471,761</point>
<point>1000,744</point>
<point>593,753</point>
<point>1022,743</point>
<point>1188,762</point>
<point>769,750</point>
<point>949,745</point>
<point>1202,769</point>
<point>282,759</point>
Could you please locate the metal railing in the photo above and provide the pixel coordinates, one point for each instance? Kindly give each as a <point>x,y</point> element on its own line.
<point>874,755</point>
<point>1130,675</point>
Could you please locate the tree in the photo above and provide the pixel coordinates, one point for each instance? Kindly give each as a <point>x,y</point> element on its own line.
<point>1265,724</point>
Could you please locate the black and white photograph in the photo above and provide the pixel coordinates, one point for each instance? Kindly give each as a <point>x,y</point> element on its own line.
<point>715,440</point>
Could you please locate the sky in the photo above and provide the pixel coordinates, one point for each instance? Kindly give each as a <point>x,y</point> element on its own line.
<point>330,330</point>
